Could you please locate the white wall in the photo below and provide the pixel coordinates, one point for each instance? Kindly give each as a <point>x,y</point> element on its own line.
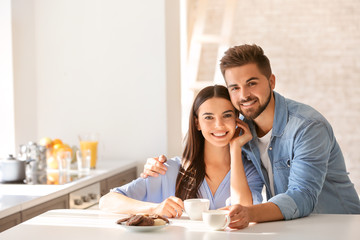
<point>100,66</point>
<point>314,49</point>
<point>25,85</point>
<point>7,136</point>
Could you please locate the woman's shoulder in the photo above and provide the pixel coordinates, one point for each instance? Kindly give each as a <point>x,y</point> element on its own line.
<point>173,164</point>
<point>169,178</point>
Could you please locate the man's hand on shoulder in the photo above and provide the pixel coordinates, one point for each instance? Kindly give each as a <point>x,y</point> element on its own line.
<point>154,166</point>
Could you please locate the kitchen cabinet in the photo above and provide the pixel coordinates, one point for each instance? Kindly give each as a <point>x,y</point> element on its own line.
<point>117,180</point>
<point>10,221</point>
<point>58,203</point>
<point>15,219</point>
<point>16,209</point>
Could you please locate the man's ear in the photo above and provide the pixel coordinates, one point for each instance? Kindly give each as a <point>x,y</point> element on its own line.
<point>272,81</point>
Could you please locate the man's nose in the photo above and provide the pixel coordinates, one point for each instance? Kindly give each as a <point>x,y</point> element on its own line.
<point>244,93</point>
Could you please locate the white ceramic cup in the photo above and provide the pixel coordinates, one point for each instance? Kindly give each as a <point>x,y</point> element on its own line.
<point>195,207</point>
<point>216,219</point>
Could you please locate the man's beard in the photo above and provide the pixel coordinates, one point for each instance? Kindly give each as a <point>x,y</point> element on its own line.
<point>254,114</point>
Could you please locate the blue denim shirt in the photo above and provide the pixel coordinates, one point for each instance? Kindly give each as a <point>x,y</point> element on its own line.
<point>308,165</point>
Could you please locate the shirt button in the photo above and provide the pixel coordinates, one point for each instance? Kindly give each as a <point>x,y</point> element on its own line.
<point>270,148</point>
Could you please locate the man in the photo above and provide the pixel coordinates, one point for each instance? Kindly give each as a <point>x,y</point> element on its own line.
<point>293,148</point>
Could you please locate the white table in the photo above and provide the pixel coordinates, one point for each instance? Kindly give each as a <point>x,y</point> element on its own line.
<point>94,224</point>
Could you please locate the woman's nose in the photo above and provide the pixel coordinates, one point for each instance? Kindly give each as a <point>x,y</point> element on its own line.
<point>219,123</point>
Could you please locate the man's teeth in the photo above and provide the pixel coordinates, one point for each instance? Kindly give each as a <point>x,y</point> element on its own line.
<point>219,134</point>
<point>248,103</point>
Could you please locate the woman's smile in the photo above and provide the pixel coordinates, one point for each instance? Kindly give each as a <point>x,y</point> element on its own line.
<point>220,134</point>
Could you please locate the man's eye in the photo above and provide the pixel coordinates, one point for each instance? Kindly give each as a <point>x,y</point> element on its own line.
<point>252,84</point>
<point>234,89</point>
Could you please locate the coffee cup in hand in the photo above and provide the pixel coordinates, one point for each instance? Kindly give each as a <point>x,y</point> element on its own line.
<point>216,219</point>
<point>195,207</point>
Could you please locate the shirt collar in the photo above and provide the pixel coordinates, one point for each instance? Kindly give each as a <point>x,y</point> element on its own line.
<point>280,116</point>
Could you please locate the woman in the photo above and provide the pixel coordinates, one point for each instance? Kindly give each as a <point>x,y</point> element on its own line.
<point>212,147</point>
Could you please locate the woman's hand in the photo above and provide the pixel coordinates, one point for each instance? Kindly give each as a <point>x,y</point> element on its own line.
<point>246,136</point>
<point>170,207</point>
<point>240,191</point>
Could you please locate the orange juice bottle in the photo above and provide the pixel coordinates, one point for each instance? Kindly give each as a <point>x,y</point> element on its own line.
<point>92,146</point>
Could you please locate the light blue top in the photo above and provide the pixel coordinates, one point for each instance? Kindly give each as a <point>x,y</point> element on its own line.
<point>308,165</point>
<point>157,189</point>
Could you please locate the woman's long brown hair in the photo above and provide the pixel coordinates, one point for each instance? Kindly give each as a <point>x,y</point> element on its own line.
<point>192,170</point>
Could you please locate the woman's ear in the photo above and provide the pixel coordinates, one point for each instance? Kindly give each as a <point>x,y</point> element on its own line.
<point>197,124</point>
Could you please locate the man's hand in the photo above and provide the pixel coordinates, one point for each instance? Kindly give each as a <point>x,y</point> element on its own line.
<point>170,207</point>
<point>239,216</point>
<point>154,166</point>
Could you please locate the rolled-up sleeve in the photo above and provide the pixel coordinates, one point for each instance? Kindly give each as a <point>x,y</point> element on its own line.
<point>287,205</point>
<point>308,169</point>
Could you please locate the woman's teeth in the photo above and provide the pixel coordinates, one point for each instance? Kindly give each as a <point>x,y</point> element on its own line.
<point>219,134</point>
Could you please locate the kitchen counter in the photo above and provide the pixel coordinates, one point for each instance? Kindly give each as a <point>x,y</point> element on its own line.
<point>17,197</point>
<point>95,224</point>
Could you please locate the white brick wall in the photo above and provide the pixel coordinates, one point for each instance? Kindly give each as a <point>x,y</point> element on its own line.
<point>314,49</point>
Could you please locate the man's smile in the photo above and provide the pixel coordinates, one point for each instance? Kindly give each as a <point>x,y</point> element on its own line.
<point>248,103</point>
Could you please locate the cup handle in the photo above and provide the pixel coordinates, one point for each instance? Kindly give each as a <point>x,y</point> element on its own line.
<point>227,222</point>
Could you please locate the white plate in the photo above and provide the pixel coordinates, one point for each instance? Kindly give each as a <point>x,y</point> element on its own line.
<point>142,228</point>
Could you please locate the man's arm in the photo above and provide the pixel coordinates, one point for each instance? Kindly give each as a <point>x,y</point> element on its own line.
<point>308,167</point>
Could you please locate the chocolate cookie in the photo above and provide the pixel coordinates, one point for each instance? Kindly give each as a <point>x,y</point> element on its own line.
<point>156,216</point>
<point>121,220</point>
<point>135,220</point>
<point>146,221</point>
<point>143,220</point>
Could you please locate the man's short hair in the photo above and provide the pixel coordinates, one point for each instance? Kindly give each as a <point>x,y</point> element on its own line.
<point>245,54</point>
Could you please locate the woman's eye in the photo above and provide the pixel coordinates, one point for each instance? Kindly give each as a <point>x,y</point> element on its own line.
<point>229,115</point>
<point>208,118</point>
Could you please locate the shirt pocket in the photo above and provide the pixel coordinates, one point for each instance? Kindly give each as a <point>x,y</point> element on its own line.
<point>282,163</point>
<point>281,171</point>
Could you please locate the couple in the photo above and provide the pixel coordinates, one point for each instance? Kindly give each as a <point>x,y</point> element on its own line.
<point>292,150</point>
<point>213,147</point>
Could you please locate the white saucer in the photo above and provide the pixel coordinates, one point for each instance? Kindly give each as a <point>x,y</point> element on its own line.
<point>142,228</point>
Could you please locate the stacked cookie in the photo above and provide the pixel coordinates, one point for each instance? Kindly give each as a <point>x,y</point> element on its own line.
<point>144,220</point>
